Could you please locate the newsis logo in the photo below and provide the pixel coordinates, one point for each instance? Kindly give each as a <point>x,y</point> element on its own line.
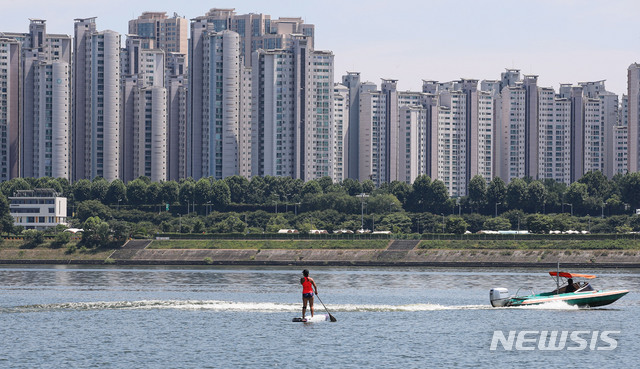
<point>555,340</point>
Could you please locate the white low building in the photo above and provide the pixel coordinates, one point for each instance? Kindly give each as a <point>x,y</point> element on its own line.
<point>38,209</point>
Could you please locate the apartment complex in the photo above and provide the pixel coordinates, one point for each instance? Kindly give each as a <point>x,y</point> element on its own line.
<point>228,94</point>
<point>44,82</point>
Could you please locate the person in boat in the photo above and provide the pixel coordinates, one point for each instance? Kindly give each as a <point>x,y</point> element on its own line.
<point>570,287</point>
<point>308,288</point>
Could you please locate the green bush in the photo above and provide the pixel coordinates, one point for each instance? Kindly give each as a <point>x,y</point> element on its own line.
<point>33,238</point>
<point>61,239</point>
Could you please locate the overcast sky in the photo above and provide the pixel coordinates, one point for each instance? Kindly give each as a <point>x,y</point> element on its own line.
<point>561,41</point>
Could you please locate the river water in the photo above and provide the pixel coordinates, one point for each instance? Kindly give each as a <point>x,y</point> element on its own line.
<point>227,317</point>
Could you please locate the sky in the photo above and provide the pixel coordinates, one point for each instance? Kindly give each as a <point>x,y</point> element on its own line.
<point>561,41</point>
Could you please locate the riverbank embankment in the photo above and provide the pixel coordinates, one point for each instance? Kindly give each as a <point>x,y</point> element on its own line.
<point>398,253</point>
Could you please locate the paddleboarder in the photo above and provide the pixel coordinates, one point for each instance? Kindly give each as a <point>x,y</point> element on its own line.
<point>308,287</point>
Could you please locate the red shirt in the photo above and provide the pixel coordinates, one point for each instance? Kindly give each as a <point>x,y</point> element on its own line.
<point>307,287</point>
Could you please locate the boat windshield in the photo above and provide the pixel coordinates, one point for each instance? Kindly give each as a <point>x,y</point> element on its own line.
<point>586,286</point>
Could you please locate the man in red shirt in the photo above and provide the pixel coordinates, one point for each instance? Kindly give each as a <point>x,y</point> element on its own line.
<point>308,287</point>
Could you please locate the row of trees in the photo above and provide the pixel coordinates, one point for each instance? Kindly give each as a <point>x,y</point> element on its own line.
<point>95,218</point>
<point>593,194</point>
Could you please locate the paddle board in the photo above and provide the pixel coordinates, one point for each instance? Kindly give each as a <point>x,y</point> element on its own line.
<point>316,318</point>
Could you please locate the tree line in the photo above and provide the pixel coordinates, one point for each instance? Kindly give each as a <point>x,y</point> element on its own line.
<point>266,204</point>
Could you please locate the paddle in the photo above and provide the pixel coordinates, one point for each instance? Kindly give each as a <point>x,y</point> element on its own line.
<point>331,317</point>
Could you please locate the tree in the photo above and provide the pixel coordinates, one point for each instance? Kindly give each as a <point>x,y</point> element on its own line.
<point>99,188</point>
<point>324,182</point>
<point>11,186</point>
<point>401,190</point>
<point>64,185</point>
<point>220,195</point>
<point>497,224</point>
<point>477,192</point>
<point>311,188</point>
<point>536,195</point>
<point>202,191</point>
<point>517,194</point>
<point>198,226</point>
<point>516,218</point>
<point>90,235</point>
<point>368,186</point>
<point>538,223</point>
<point>137,191</point>
<point>352,186</point>
<point>61,239</point>
<point>257,189</point>
<point>186,192</point>
<point>6,220</point>
<point>598,186</point>
<point>277,223</point>
<point>169,192</point>
<point>33,238</point>
<point>92,208</point>
<point>81,190</point>
<point>630,189</point>
<point>379,204</point>
<point>48,182</point>
<point>439,197</point>
<point>116,192</point>
<point>238,188</point>
<point>577,195</point>
<point>496,193</point>
<point>456,225</point>
<point>420,191</point>
<point>395,222</point>
<point>229,225</point>
<point>154,193</point>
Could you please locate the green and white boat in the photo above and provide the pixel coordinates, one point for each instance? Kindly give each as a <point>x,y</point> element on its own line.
<point>572,293</point>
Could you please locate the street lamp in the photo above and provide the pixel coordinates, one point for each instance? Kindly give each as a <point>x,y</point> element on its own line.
<point>362,196</point>
<point>442,222</point>
<point>497,203</point>
<point>296,207</point>
<point>602,210</point>
<point>571,208</point>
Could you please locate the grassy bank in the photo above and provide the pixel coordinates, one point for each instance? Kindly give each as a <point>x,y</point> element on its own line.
<point>270,244</point>
<point>16,250</point>
<point>613,244</point>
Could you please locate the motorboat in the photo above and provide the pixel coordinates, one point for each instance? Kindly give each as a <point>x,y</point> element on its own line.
<point>573,293</point>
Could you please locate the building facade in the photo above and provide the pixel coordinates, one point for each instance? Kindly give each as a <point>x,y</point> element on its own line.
<point>38,209</point>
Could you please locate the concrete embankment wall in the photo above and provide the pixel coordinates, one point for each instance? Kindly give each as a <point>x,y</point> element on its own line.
<point>432,257</point>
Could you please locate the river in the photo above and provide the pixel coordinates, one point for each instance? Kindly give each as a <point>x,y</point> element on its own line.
<point>228,317</point>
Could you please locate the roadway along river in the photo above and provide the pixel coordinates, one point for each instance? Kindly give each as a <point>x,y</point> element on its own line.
<point>222,317</point>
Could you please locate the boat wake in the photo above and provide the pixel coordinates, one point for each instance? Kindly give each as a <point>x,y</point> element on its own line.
<point>551,305</point>
<point>229,306</point>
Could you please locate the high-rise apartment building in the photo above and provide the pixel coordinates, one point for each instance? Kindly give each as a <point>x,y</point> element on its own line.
<point>340,131</point>
<point>352,81</point>
<point>554,136</point>
<point>144,111</point>
<point>216,93</point>
<point>10,88</point>
<point>45,106</point>
<point>293,112</point>
<point>257,31</point>
<point>96,82</point>
<point>517,126</point>
<point>168,33</point>
<point>633,117</point>
<point>176,82</point>
<point>378,115</point>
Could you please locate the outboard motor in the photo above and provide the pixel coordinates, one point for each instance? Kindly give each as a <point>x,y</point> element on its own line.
<point>499,297</point>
